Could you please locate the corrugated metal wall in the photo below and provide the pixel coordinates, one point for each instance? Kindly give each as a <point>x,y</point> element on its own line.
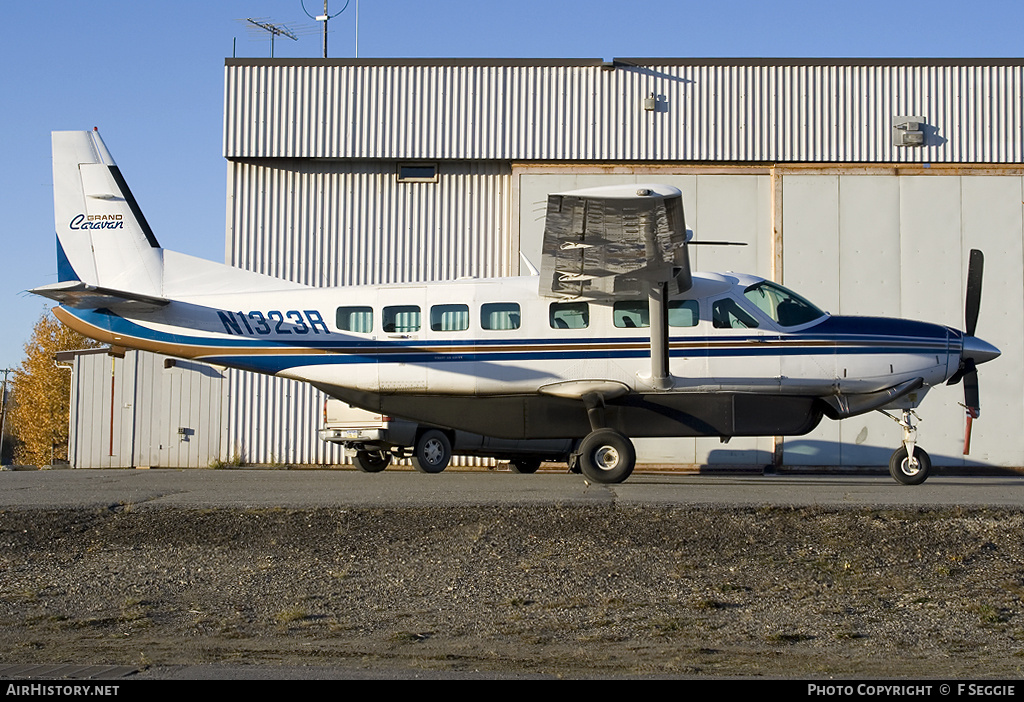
<point>769,110</point>
<point>331,223</point>
<point>313,147</point>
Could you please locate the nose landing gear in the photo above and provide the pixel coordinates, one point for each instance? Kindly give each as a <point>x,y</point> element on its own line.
<point>910,464</point>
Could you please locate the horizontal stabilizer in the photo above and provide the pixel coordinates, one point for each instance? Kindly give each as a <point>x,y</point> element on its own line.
<point>614,242</point>
<point>75,293</point>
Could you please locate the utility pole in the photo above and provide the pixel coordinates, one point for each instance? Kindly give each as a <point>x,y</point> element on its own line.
<point>3,408</point>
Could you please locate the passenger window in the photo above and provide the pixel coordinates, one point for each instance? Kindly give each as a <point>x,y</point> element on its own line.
<point>355,319</point>
<point>401,318</point>
<point>683,313</point>
<point>569,315</point>
<point>500,315</point>
<point>727,314</point>
<point>449,317</point>
<point>631,314</point>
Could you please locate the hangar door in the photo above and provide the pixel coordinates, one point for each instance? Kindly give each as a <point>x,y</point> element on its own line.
<point>855,243</point>
<point>897,246</point>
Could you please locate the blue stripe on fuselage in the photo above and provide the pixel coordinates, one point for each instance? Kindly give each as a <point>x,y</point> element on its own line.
<point>835,335</point>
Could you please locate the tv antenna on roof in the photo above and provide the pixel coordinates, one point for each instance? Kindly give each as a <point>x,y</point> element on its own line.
<point>328,16</point>
<point>275,30</point>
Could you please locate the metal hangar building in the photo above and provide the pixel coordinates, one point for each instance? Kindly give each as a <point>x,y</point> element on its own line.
<point>860,183</point>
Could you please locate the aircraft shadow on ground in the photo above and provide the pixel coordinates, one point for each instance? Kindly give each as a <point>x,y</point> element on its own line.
<point>812,453</point>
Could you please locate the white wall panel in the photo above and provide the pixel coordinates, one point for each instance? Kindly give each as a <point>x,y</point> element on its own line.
<point>811,266</point>
<point>993,220</point>
<point>869,245</point>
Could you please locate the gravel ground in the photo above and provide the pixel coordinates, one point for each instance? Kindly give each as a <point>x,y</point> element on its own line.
<point>575,591</point>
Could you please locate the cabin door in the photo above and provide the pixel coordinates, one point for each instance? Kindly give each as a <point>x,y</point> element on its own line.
<point>402,363</point>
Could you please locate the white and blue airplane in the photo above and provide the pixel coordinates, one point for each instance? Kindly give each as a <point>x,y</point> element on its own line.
<point>614,338</point>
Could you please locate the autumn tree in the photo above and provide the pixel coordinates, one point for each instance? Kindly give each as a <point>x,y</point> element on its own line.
<point>41,394</point>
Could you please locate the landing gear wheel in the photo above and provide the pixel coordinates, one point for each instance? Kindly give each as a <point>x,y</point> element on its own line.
<point>524,465</point>
<point>606,456</point>
<point>906,474</point>
<point>371,461</point>
<point>433,452</point>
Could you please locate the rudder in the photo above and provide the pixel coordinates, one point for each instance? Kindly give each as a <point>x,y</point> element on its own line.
<point>102,237</point>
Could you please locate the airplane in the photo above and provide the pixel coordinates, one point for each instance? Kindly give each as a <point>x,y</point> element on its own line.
<point>613,338</point>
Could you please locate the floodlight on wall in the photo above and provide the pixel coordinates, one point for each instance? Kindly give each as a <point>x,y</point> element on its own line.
<point>906,131</point>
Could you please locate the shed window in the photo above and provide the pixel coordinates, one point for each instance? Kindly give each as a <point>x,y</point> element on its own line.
<point>355,319</point>
<point>500,315</point>
<point>417,173</point>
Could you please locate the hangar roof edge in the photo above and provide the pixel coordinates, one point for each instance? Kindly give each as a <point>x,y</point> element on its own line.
<point>626,62</point>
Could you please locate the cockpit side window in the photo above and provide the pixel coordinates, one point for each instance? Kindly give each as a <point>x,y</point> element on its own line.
<point>727,314</point>
<point>784,306</point>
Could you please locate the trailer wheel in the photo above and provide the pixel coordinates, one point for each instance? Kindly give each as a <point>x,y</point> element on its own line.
<point>524,464</point>
<point>433,452</point>
<point>371,461</point>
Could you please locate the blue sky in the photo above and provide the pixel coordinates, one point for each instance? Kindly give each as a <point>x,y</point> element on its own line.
<point>150,76</point>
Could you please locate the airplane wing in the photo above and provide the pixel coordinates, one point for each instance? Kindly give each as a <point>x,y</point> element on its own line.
<point>614,242</point>
<point>74,293</point>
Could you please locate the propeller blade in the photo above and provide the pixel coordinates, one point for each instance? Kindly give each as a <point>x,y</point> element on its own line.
<point>971,398</point>
<point>972,305</point>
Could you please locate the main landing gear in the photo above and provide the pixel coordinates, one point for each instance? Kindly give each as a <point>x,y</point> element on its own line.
<point>606,456</point>
<point>910,464</point>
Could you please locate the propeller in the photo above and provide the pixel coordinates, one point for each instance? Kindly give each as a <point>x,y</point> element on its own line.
<point>975,350</point>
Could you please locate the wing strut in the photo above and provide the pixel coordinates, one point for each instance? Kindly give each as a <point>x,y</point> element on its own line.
<point>657,300</point>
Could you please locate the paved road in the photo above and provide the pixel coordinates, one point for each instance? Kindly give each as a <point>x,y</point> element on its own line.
<point>142,489</point>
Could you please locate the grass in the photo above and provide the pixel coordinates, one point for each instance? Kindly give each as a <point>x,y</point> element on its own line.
<point>290,615</point>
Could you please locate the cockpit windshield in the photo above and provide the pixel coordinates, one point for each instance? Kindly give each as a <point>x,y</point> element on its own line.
<point>784,306</point>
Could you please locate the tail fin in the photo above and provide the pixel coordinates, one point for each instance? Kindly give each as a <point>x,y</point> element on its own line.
<point>102,238</point>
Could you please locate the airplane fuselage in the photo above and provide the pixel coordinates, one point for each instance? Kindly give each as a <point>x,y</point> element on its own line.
<point>422,351</point>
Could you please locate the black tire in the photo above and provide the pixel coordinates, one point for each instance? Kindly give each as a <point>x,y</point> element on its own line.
<point>433,452</point>
<point>902,473</point>
<point>606,456</point>
<point>371,461</point>
<point>524,464</point>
